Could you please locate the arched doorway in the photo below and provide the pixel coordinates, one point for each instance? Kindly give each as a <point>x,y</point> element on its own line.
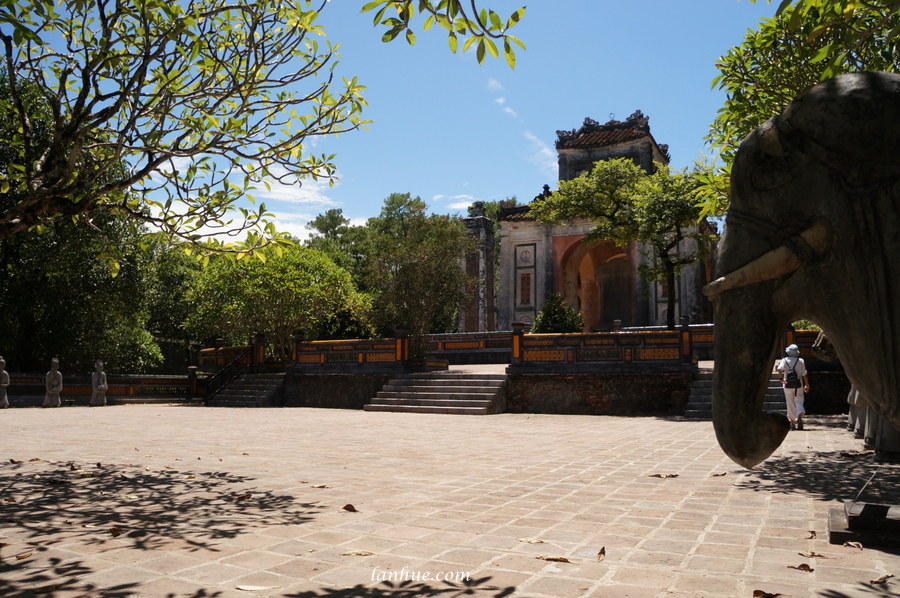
<point>598,280</point>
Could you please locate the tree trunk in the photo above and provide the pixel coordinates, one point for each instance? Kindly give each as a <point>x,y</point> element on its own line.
<point>670,290</point>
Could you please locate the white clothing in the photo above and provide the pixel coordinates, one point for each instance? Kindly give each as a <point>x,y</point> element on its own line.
<point>793,396</point>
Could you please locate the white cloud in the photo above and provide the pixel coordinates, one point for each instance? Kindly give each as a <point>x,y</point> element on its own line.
<point>293,223</point>
<point>456,202</point>
<point>305,192</point>
<point>542,156</point>
<point>494,85</point>
<point>507,109</point>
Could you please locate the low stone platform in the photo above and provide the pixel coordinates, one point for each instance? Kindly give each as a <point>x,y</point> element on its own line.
<point>166,502</point>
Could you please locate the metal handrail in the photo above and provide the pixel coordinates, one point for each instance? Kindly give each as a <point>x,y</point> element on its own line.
<point>228,373</point>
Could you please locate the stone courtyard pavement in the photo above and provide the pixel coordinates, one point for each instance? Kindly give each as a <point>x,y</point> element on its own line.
<point>310,503</point>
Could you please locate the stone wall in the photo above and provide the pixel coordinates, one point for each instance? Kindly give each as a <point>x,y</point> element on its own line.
<point>341,391</point>
<point>827,392</point>
<point>656,393</point>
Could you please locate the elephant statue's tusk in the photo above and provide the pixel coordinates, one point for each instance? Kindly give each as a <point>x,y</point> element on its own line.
<point>778,262</point>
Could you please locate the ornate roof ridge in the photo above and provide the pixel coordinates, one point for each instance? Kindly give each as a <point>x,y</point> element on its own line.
<point>637,125</point>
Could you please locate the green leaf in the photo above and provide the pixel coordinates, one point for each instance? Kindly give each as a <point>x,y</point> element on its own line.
<point>821,54</point>
<point>509,54</point>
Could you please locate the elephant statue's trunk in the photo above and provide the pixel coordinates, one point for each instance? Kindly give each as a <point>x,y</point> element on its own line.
<point>744,356</point>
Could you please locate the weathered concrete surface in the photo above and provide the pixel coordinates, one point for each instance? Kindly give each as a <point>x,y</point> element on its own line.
<point>185,501</point>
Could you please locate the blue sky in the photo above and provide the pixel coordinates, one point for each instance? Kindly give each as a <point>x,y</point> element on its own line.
<point>452,131</point>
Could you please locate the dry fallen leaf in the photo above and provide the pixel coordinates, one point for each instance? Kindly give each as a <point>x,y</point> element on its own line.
<point>190,477</point>
<point>24,555</point>
<point>812,535</point>
<point>244,496</point>
<point>34,459</point>
<point>14,462</point>
<point>601,556</point>
<point>255,588</point>
<point>881,580</point>
<point>531,540</point>
<point>245,453</point>
<point>764,594</point>
<point>554,558</point>
<point>853,545</point>
<point>130,496</point>
<point>814,555</point>
<point>9,499</point>
<point>664,475</point>
<point>801,567</point>
<point>358,553</point>
<point>719,475</point>
<point>116,532</point>
<point>349,507</point>
<point>321,486</point>
<point>169,467</point>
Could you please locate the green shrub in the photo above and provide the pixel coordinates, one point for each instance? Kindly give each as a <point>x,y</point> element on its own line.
<point>557,316</point>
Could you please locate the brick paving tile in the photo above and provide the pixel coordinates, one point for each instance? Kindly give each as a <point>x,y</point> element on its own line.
<point>555,586</point>
<point>210,499</point>
<point>625,591</point>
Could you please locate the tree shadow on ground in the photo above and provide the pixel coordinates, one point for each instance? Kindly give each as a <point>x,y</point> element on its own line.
<point>413,589</point>
<point>828,475</point>
<point>864,589</point>
<point>82,509</point>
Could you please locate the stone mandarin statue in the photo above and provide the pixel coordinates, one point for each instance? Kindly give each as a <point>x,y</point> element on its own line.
<point>54,385</point>
<point>4,382</point>
<point>99,385</point>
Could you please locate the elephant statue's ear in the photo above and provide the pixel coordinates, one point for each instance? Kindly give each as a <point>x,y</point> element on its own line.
<point>765,157</point>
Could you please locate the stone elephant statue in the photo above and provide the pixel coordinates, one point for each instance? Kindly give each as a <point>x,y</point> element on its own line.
<point>813,232</point>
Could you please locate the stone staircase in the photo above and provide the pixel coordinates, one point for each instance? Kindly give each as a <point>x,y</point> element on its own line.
<point>699,404</point>
<point>443,392</point>
<point>248,390</point>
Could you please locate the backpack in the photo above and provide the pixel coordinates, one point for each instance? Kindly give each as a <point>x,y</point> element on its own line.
<point>792,380</point>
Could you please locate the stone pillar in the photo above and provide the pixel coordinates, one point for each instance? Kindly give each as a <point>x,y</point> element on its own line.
<point>258,352</point>
<point>192,382</point>
<point>401,343</point>
<point>687,341</point>
<point>518,334</point>
<point>297,337</point>
<point>477,313</point>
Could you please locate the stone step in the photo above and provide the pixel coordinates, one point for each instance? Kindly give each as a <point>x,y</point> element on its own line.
<point>428,409</point>
<point>248,390</point>
<point>448,402</point>
<point>391,387</point>
<point>451,376</point>
<point>447,382</point>
<point>460,396</point>
<point>148,401</point>
<point>442,392</point>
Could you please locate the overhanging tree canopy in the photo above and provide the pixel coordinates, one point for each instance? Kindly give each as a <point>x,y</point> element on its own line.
<point>200,101</point>
<point>807,41</point>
